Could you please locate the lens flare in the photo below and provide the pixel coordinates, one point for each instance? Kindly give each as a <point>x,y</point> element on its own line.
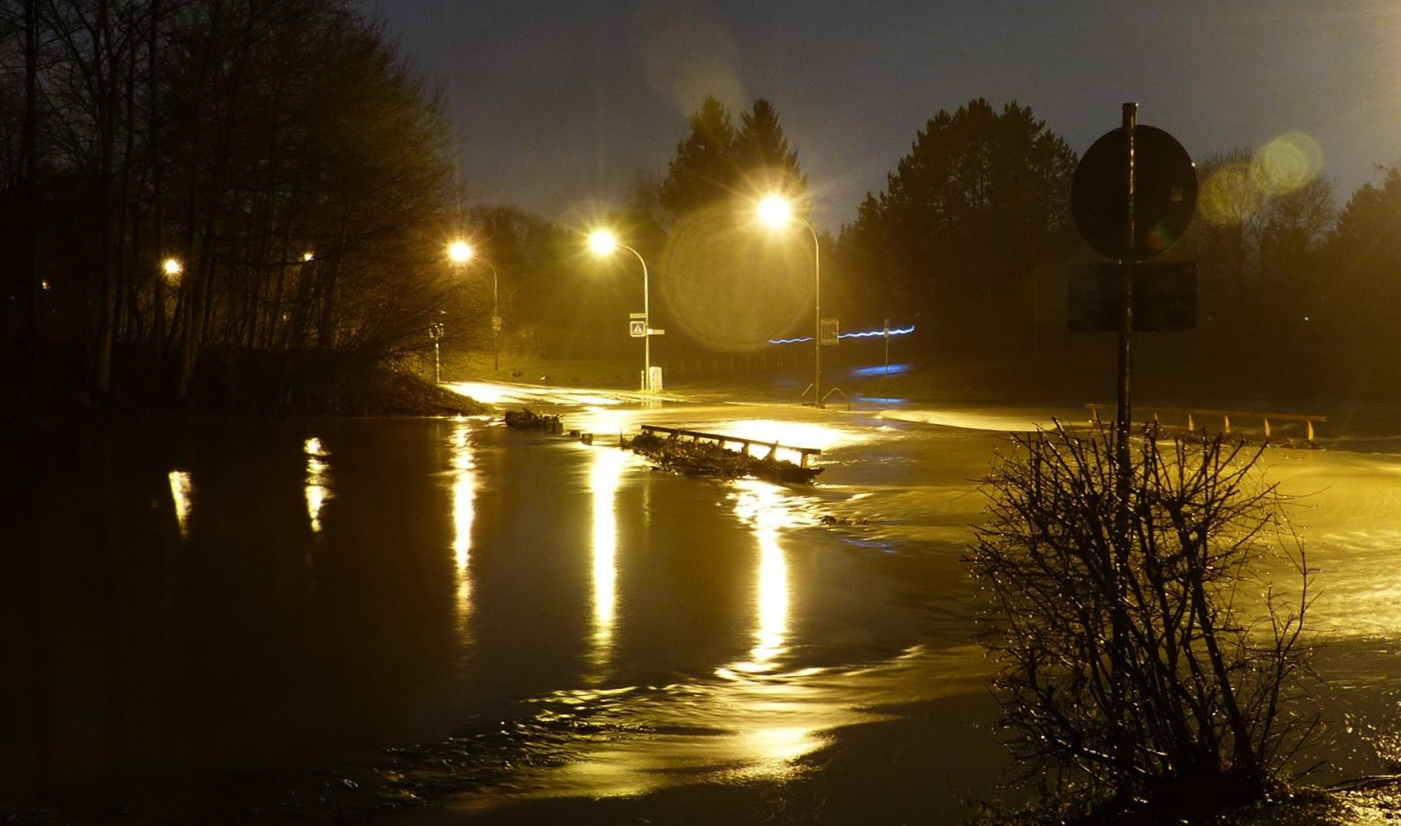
<point>1286,163</point>
<point>1230,196</point>
<point>1233,194</point>
<point>318,481</point>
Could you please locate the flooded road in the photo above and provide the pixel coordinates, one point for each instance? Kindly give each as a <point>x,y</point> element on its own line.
<point>434,621</point>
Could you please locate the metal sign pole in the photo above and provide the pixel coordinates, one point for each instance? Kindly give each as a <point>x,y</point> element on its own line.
<point>1124,412</point>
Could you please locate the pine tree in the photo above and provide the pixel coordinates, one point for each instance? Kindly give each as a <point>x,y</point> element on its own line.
<point>704,169</point>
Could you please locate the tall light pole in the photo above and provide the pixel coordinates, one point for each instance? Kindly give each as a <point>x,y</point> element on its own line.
<point>603,242</point>
<point>777,211</point>
<point>460,252</point>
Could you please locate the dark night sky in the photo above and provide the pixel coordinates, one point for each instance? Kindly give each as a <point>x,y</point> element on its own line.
<point>560,104</point>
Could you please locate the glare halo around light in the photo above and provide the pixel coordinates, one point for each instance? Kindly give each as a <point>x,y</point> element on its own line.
<point>602,242</point>
<point>460,252</point>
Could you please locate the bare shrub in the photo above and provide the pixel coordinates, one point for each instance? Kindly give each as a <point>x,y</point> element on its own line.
<point>1146,658</point>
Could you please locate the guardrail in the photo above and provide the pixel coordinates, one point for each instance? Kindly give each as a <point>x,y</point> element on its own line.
<point>1192,413</point>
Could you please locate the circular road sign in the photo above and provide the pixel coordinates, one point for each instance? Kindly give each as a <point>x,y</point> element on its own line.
<point>1165,194</point>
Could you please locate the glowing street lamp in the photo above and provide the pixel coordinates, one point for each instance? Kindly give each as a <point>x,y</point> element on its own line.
<point>460,252</point>
<point>603,242</point>
<point>172,268</point>
<point>776,211</point>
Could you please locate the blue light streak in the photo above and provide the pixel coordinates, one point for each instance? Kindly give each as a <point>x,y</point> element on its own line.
<point>900,331</point>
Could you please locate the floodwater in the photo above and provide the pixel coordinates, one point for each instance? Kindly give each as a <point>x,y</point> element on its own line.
<point>416,621</point>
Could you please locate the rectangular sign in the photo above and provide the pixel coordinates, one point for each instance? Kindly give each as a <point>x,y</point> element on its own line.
<point>827,332</point>
<point>1164,297</point>
<point>637,328</point>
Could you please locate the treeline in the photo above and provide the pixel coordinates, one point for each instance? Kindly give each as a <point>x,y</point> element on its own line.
<point>972,240</point>
<point>187,182</point>
<point>211,188</point>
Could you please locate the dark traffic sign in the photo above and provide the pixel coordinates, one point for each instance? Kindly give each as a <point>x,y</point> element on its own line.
<point>1164,297</point>
<point>1165,194</point>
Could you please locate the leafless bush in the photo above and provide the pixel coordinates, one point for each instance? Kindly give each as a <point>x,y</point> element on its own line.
<point>1146,657</point>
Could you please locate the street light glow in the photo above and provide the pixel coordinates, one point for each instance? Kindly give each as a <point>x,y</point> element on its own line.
<point>775,210</point>
<point>602,242</point>
<point>460,252</point>
<point>172,267</point>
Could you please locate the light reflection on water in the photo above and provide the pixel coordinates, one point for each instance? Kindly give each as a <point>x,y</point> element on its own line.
<point>318,479</point>
<point>464,493</point>
<point>182,491</point>
<point>741,727</point>
<point>605,477</point>
<point>765,507</point>
<point>1346,508</point>
<point>669,630</point>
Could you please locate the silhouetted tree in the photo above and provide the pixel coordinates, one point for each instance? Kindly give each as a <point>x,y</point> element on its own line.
<point>766,162</point>
<point>969,219</point>
<point>237,136</point>
<point>704,170</point>
<point>1292,267</point>
<point>1363,285</point>
<point>717,163</point>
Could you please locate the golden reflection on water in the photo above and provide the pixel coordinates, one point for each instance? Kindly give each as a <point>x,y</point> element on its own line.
<point>791,434</point>
<point>318,480</point>
<point>1346,508</point>
<point>464,495</point>
<point>767,508</point>
<point>739,729</point>
<point>604,480</point>
<point>182,490</point>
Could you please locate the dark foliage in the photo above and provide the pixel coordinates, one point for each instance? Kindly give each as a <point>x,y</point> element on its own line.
<point>276,149</point>
<point>1147,658</point>
<point>972,217</point>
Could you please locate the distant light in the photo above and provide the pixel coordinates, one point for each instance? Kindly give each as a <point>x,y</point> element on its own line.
<point>602,242</point>
<point>172,267</point>
<point>902,331</point>
<point>460,252</point>
<point>46,285</point>
<point>308,256</point>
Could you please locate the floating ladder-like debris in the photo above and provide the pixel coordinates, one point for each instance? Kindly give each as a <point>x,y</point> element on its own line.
<point>706,454</point>
<point>526,419</point>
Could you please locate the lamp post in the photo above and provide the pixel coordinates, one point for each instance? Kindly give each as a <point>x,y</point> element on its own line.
<point>777,211</point>
<point>603,242</point>
<point>460,252</point>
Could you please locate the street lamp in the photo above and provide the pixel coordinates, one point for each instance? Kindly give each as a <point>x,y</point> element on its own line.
<point>603,242</point>
<point>777,211</point>
<point>460,252</point>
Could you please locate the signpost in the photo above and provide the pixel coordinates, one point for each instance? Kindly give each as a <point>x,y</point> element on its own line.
<point>1164,297</point>
<point>1132,197</point>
